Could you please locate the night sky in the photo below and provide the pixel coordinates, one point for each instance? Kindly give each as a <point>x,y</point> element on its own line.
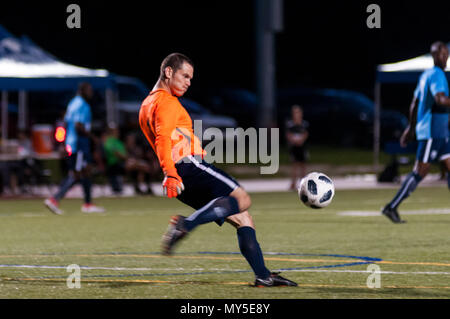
<point>324,43</point>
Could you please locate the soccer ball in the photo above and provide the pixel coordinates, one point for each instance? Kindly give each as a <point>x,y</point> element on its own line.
<point>316,190</point>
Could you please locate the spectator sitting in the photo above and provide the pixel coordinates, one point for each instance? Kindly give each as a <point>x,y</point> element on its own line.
<point>12,172</point>
<point>136,165</point>
<point>31,168</point>
<point>155,169</point>
<point>116,157</point>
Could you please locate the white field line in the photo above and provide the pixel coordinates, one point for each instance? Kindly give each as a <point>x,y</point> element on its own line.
<point>443,211</point>
<point>222,269</point>
<point>369,272</point>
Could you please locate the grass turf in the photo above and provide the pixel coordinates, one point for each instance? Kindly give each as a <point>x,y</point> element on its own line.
<point>120,249</point>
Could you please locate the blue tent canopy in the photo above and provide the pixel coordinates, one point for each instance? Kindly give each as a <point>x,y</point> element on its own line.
<point>25,66</point>
<point>53,83</point>
<point>398,77</point>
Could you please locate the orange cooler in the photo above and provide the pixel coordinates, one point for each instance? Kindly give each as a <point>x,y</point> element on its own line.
<point>42,138</point>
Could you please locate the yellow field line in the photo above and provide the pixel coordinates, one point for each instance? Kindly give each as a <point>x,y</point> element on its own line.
<point>145,281</point>
<point>413,263</point>
<point>230,258</point>
<point>215,283</point>
<point>180,257</point>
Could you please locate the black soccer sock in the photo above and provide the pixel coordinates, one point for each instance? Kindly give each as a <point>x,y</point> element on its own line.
<point>66,184</point>
<point>87,185</point>
<point>217,209</point>
<point>252,252</point>
<point>408,186</point>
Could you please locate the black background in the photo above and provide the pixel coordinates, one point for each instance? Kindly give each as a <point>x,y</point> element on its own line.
<point>323,44</point>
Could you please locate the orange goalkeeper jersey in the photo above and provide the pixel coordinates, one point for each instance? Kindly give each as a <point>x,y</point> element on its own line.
<point>168,128</point>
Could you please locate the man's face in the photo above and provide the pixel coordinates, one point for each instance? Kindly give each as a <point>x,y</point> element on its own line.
<point>180,81</point>
<point>297,115</point>
<point>442,57</point>
<point>88,92</point>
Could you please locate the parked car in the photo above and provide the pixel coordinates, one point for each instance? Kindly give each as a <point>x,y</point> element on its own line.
<point>131,93</point>
<point>199,112</point>
<point>340,116</point>
<point>238,103</point>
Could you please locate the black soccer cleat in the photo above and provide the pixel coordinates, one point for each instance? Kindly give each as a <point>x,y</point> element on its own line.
<point>274,280</point>
<point>175,232</point>
<point>392,214</point>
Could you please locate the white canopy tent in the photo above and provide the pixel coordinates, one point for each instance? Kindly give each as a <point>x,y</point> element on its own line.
<point>418,64</point>
<point>24,67</point>
<point>407,71</point>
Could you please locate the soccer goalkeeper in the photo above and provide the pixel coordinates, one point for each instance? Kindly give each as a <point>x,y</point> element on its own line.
<point>215,196</point>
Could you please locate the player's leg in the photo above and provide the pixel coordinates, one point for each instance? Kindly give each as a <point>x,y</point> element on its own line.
<point>207,189</point>
<point>230,203</point>
<point>217,210</point>
<point>294,175</point>
<point>249,245</point>
<point>86,183</point>
<point>72,178</point>
<point>408,186</point>
<point>300,162</point>
<point>84,167</point>
<point>425,151</point>
<point>410,183</point>
<point>75,163</point>
<point>213,186</point>
<point>302,170</point>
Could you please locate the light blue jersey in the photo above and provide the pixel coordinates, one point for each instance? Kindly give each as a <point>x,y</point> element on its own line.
<point>78,110</point>
<point>432,119</point>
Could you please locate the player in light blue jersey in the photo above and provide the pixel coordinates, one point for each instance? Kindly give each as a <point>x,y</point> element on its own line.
<point>429,118</point>
<point>78,119</point>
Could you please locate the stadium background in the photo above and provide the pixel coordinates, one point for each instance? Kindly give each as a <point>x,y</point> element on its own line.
<point>325,44</point>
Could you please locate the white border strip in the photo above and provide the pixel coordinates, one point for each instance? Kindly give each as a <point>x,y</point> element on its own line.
<point>436,211</point>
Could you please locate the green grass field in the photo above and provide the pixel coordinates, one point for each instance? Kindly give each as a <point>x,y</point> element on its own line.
<point>119,251</point>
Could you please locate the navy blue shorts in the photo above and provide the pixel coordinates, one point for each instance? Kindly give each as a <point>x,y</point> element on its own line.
<point>81,158</point>
<point>203,182</point>
<point>433,149</point>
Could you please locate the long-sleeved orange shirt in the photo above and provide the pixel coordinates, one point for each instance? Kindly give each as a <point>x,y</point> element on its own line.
<point>168,128</point>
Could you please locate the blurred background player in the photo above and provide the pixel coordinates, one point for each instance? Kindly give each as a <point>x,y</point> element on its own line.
<point>428,119</point>
<point>215,195</point>
<point>115,157</point>
<point>296,136</point>
<point>78,120</point>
